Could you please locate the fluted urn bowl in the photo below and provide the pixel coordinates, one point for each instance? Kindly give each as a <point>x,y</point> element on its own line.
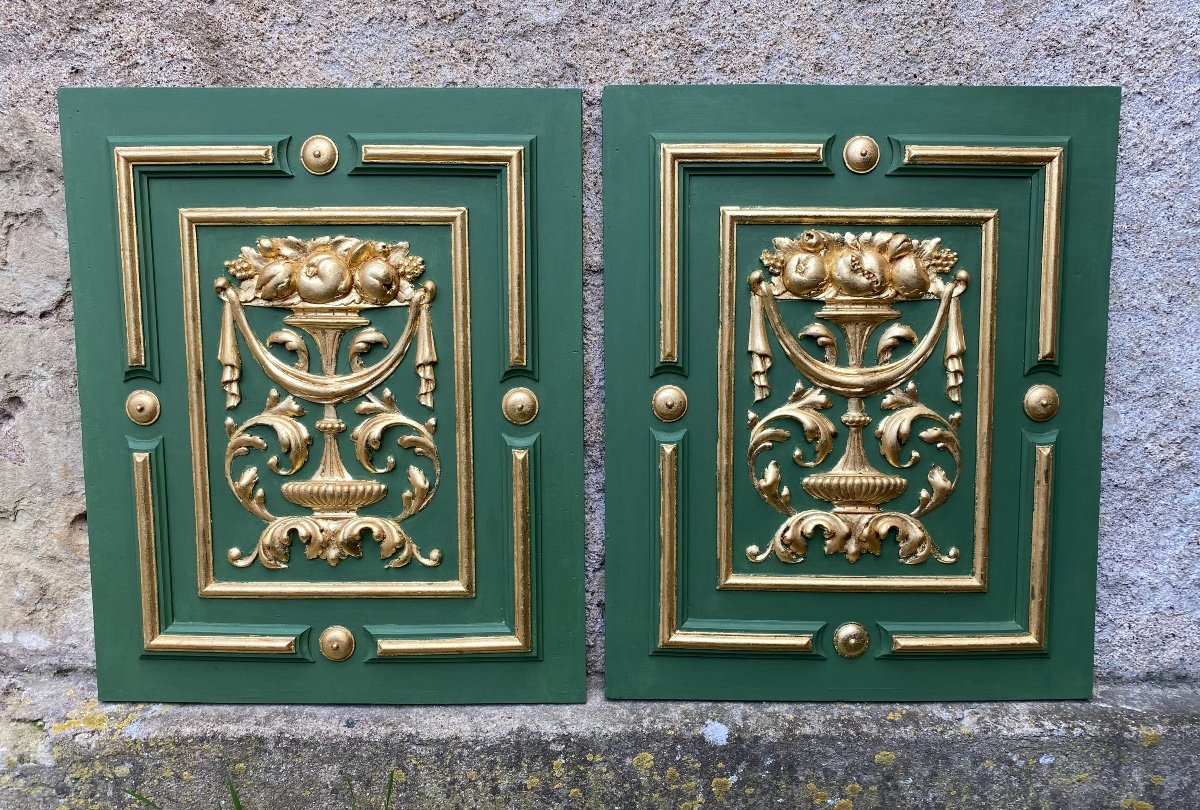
<point>855,488</point>
<point>333,495</point>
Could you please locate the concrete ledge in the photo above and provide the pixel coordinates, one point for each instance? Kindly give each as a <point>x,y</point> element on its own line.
<point>1132,746</point>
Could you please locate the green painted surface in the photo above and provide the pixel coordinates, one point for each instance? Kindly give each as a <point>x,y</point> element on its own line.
<point>547,124</point>
<point>636,121</point>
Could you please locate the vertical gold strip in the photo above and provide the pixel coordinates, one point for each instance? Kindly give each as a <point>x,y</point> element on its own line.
<point>1034,639</point>
<point>512,159</point>
<point>671,156</point>
<point>127,159</point>
<point>464,432</point>
<point>668,537</point>
<point>1051,253</point>
<point>521,639</point>
<point>522,585</point>
<point>1050,157</point>
<point>668,261</point>
<point>143,500</point>
<point>1039,566</point>
<point>153,640</point>
<point>517,292</point>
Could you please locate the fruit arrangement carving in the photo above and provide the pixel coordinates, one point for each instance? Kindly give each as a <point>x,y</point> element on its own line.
<point>338,271</point>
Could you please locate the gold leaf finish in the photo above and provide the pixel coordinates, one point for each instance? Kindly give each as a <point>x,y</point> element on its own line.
<point>142,407</point>
<point>851,640</point>
<point>670,634</point>
<point>1034,638</point>
<point>127,159</point>
<point>520,406</point>
<point>833,279</point>
<point>669,403</point>
<point>327,283</point>
<point>858,278</point>
<point>1050,157</point>
<point>154,640</point>
<point>521,639</point>
<point>336,643</point>
<point>512,159</point>
<point>344,315</point>
<point>672,158</point>
<point>1041,402</point>
<point>319,154</point>
<point>861,154</point>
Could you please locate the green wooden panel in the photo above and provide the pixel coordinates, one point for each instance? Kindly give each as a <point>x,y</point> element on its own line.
<point>700,182</point>
<point>482,185</point>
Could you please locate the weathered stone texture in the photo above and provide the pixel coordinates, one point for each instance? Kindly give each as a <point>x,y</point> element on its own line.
<point>1149,581</point>
<point>1128,748</point>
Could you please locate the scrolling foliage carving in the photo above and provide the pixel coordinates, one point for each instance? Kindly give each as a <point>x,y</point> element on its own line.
<point>858,278</point>
<point>328,283</point>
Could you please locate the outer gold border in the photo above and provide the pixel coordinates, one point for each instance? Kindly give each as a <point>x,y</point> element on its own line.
<point>513,159</point>
<point>731,217</point>
<point>671,156</point>
<point>1052,213</point>
<point>456,218</point>
<point>127,159</point>
<point>670,636</point>
<point>522,638</point>
<point>1034,639</point>
<point>154,640</point>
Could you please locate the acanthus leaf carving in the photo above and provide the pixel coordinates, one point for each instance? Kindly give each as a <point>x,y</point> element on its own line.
<point>328,283</point>
<point>858,277</point>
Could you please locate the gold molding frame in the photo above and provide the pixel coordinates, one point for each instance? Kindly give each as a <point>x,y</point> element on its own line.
<point>456,218</point>
<point>988,222</point>
<point>1052,158</point>
<point>521,640</point>
<point>154,640</point>
<point>670,636</point>
<point>671,156</point>
<point>1034,639</point>
<point>127,159</point>
<point>513,159</point>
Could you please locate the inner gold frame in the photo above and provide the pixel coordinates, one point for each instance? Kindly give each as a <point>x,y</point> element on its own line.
<point>456,218</point>
<point>731,218</point>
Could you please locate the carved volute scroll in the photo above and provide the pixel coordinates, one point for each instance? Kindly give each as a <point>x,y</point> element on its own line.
<point>330,284</point>
<point>859,279</point>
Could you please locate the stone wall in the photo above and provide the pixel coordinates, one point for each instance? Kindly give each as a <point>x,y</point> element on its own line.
<point>1149,602</point>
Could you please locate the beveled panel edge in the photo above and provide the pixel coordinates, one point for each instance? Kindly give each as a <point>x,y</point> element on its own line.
<point>126,160</point>
<point>1052,158</point>
<point>456,218</point>
<point>671,156</point>
<point>153,639</point>
<point>521,639</point>
<point>512,160</point>
<point>1034,638</point>
<point>670,634</point>
<point>988,221</point>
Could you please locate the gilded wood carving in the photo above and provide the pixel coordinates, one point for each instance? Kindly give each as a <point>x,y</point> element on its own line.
<point>858,278</point>
<point>328,283</point>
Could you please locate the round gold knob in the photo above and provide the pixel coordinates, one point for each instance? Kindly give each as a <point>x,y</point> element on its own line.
<point>1041,402</point>
<point>319,154</point>
<point>861,154</point>
<point>520,406</point>
<point>851,640</point>
<point>337,643</point>
<point>669,403</point>
<point>142,407</point>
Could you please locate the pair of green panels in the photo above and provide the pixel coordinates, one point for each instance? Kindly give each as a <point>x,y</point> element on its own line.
<point>331,368</point>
